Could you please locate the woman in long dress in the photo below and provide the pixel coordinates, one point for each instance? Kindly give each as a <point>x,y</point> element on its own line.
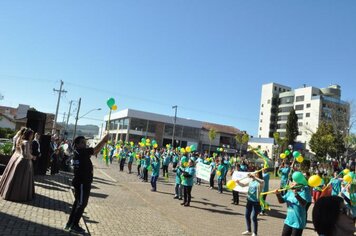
<point>17,183</point>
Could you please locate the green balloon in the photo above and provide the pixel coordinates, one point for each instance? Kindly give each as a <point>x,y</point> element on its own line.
<point>299,178</point>
<point>193,147</point>
<point>287,152</point>
<point>110,102</point>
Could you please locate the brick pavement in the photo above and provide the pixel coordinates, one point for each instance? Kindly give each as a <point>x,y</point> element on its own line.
<point>120,204</point>
<point>45,215</point>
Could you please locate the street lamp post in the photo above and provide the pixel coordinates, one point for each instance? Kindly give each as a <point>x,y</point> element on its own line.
<point>174,124</point>
<point>77,118</point>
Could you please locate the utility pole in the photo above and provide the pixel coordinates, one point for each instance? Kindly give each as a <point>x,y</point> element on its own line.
<point>70,108</point>
<point>60,91</point>
<point>76,119</point>
<point>174,124</point>
<point>64,117</point>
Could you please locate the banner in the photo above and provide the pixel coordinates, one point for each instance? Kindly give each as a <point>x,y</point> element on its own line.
<point>203,171</point>
<point>239,175</point>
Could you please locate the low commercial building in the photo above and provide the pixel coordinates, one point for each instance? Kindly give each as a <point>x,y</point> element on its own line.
<point>132,125</point>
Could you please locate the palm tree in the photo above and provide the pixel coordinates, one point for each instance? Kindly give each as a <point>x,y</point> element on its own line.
<point>212,136</point>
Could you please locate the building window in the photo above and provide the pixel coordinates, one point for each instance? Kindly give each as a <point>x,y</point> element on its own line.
<point>261,113</point>
<point>300,116</point>
<point>299,107</point>
<point>300,124</point>
<point>286,100</point>
<point>308,105</point>
<point>260,128</point>
<point>262,105</point>
<point>261,121</point>
<point>299,98</point>
<point>268,101</point>
<point>280,89</point>
<point>275,88</point>
<point>307,115</point>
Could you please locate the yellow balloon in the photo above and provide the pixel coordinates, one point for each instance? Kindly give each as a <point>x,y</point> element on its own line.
<point>300,159</point>
<point>155,145</point>
<point>182,150</point>
<point>187,149</point>
<point>231,184</point>
<point>218,172</point>
<point>148,140</point>
<point>348,178</point>
<point>346,171</point>
<point>314,181</point>
<point>282,156</point>
<point>114,107</point>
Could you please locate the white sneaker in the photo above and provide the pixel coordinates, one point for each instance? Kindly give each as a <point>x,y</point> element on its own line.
<point>254,234</point>
<point>246,233</point>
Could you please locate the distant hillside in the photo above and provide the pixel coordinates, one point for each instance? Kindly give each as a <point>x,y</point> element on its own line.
<point>84,130</point>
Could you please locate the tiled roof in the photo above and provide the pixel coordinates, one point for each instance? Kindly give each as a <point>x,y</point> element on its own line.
<point>221,128</point>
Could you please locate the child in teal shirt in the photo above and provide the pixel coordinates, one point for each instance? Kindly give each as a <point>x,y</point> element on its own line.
<point>155,173</point>
<point>187,182</point>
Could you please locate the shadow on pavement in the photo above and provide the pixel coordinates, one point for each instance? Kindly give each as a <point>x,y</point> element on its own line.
<point>98,195</point>
<point>172,194</point>
<point>49,203</point>
<point>208,203</point>
<point>50,187</point>
<point>276,214</point>
<point>88,220</point>
<point>217,211</point>
<point>12,225</point>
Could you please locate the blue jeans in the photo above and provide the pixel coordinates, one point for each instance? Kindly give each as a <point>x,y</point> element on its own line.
<point>255,209</point>
<point>179,190</point>
<point>220,185</point>
<point>154,182</point>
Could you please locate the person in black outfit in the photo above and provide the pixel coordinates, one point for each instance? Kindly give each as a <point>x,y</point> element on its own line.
<point>35,147</point>
<point>83,177</point>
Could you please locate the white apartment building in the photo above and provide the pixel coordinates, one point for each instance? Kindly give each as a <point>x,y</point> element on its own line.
<point>312,105</point>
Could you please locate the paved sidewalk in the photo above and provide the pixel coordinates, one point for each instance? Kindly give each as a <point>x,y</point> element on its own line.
<point>121,204</point>
<point>45,215</point>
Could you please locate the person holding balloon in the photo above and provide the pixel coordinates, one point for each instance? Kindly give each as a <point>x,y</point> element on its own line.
<point>295,198</point>
<point>266,177</point>
<point>284,173</point>
<point>335,183</point>
<point>178,187</point>
<point>146,165</point>
<point>187,182</point>
<point>222,169</point>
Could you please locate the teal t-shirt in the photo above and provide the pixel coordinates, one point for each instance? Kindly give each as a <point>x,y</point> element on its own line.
<point>155,168</point>
<point>131,157</point>
<point>146,162</point>
<point>178,176</point>
<point>284,176</point>
<point>296,214</point>
<point>188,181</point>
<point>335,186</point>
<point>166,160</point>
<point>212,165</point>
<point>253,191</point>
<point>175,158</point>
<point>266,182</point>
<point>222,168</point>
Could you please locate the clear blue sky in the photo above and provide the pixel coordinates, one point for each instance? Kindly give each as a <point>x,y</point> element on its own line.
<point>208,57</point>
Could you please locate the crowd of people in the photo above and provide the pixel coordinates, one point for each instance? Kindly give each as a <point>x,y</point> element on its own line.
<point>298,198</point>
<point>17,181</point>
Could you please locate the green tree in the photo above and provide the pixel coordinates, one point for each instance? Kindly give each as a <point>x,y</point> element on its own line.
<point>292,130</point>
<point>280,142</point>
<point>326,142</point>
<point>212,136</point>
<point>242,139</point>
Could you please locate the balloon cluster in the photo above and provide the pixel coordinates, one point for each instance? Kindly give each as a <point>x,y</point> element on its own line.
<point>111,104</point>
<point>297,156</point>
<point>219,149</point>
